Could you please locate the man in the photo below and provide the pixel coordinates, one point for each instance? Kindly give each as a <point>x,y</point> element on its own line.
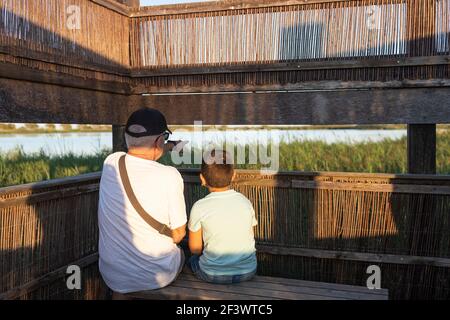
<point>134,256</point>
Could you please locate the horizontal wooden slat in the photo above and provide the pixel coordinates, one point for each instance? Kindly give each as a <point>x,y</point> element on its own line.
<point>49,195</point>
<point>371,187</point>
<point>379,181</point>
<point>295,66</point>
<point>321,285</point>
<point>46,279</point>
<point>257,290</point>
<point>24,101</point>
<point>319,289</point>
<point>355,256</point>
<point>182,293</point>
<point>114,6</point>
<point>218,6</point>
<point>86,178</point>
<point>389,106</point>
<point>12,71</point>
<point>140,88</point>
<point>56,59</point>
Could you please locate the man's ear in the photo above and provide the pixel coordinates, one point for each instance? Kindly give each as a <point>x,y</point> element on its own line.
<point>157,143</point>
<point>202,180</point>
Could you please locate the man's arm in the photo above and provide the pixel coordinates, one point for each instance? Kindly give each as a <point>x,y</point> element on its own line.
<point>177,208</point>
<point>196,242</point>
<point>178,234</point>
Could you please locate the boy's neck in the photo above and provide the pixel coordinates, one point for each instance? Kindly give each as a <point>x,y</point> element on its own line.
<point>212,189</point>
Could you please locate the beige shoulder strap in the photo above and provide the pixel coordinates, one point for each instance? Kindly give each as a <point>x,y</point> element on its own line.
<point>160,227</point>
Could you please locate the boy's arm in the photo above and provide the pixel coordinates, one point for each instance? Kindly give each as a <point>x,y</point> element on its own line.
<point>196,241</point>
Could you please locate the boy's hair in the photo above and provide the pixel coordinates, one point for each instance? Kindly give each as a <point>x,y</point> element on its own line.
<point>217,169</point>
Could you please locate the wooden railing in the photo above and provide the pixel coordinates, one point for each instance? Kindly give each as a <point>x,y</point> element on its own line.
<point>316,226</point>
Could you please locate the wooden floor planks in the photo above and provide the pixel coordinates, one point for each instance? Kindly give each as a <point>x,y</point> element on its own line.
<point>187,286</point>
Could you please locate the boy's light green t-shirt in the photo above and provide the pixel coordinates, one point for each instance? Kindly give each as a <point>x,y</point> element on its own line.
<point>227,219</point>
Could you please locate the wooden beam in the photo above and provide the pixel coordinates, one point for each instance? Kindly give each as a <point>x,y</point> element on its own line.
<point>372,187</point>
<point>12,71</point>
<point>130,3</point>
<point>58,60</point>
<point>49,195</point>
<point>114,6</point>
<point>284,179</point>
<point>87,183</point>
<point>140,88</point>
<point>390,106</point>
<point>422,148</point>
<point>209,6</point>
<point>35,187</point>
<point>23,101</point>
<point>354,256</point>
<point>292,66</point>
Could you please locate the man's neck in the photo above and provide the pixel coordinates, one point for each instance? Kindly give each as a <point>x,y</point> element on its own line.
<point>143,153</point>
<point>211,189</point>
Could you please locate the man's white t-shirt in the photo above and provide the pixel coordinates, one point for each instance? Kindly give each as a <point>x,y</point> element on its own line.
<point>133,255</point>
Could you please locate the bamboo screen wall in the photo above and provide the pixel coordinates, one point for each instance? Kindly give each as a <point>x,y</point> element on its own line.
<point>334,30</point>
<point>365,40</point>
<point>322,227</point>
<point>50,27</point>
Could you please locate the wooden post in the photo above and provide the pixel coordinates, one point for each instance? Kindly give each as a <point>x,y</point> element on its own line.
<point>119,143</point>
<point>422,148</point>
<point>421,137</point>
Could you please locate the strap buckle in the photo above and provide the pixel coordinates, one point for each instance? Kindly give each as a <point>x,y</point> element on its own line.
<point>163,229</point>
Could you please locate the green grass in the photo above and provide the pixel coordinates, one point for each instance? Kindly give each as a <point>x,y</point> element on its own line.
<point>387,156</point>
<point>17,167</point>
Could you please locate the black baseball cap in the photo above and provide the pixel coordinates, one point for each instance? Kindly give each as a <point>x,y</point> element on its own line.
<point>151,119</point>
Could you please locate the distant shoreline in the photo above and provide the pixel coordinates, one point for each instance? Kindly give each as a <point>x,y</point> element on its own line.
<point>44,130</point>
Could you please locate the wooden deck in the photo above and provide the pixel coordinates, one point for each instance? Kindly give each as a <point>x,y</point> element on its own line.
<point>188,287</point>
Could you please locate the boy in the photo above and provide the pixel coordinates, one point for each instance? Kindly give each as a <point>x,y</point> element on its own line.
<point>221,237</point>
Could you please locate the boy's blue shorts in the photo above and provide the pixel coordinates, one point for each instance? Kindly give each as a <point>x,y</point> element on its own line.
<point>220,279</point>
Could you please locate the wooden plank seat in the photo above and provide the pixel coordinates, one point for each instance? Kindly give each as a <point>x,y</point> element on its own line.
<point>188,287</point>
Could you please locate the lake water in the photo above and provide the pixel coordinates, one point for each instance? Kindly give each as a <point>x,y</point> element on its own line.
<point>92,142</point>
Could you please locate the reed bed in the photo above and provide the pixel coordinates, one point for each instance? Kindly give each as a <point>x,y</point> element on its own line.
<point>388,156</point>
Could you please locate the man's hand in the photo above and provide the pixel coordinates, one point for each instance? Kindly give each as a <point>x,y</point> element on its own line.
<point>178,234</point>
<point>176,146</point>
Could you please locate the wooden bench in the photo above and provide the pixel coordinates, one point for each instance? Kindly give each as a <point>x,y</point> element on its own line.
<point>188,287</point>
